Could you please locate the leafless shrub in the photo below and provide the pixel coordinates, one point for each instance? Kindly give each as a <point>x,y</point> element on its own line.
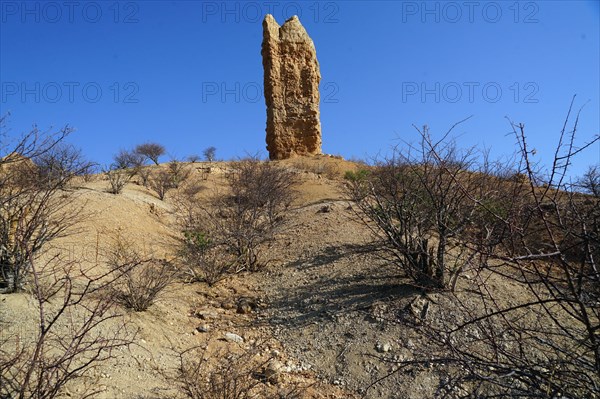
<point>590,182</point>
<point>141,280</point>
<point>128,160</point>
<point>179,173</point>
<point>320,167</point>
<point>30,145</point>
<point>203,256</point>
<point>359,161</point>
<point>249,215</point>
<point>32,212</point>
<point>144,173</point>
<point>209,153</point>
<point>234,376</point>
<point>141,286</point>
<point>11,352</point>
<point>204,260</point>
<point>328,170</point>
<point>193,158</point>
<point>233,229</point>
<point>413,204</point>
<point>540,339</point>
<point>544,344</point>
<point>164,180</point>
<point>150,150</point>
<point>42,364</point>
<point>117,179</point>
<point>60,164</point>
<point>161,182</point>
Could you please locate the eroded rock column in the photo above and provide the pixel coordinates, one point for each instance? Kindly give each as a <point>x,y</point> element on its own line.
<point>292,79</point>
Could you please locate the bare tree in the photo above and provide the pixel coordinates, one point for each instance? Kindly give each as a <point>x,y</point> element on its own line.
<point>150,150</point>
<point>209,153</point>
<point>65,295</point>
<point>31,216</point>
<point>590,182</point>
<point>540,339</point>
<point>193,158</point>
<point>60,164</point>
<point>129,160</point>
<point>32,212</point>
<point>413,205</point>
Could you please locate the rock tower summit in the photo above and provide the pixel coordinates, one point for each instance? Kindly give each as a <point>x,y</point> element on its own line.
<point>291,84</point>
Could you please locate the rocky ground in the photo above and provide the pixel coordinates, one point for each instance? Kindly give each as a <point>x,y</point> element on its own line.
<point>324,317</point>
<point>335,305</point>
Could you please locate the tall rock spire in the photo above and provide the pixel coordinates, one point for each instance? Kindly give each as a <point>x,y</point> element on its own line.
<point>291,89</point>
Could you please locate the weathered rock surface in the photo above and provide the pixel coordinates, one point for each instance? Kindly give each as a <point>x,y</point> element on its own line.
<point>231,337</point>
<point>292,79</point>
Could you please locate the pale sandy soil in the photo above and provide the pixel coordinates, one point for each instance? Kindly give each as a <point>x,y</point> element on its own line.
<point>325,303</point>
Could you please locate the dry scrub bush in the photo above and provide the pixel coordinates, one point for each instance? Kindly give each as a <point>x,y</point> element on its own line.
<point>160,182</point>
<point>249,214</point>
<point>232,230</point>
<point>320,167</point>
<point>413,204</point>
<point>60,164</point>
<point>144,174</point>
<point>34,208</point>
<point>141,280</point>
<point>165,180</point>
<point>179,172</point>
<point>526,322</point>
<point>240,374</point>
<point>128,160</point>
<point>203,257</point>
<point>193,158</point>
<point>544,343</point>
<point>68,339</point>
<point>117,179</point>
<point>590,181</point>
<point>233,376</point>
<point>64,343</point>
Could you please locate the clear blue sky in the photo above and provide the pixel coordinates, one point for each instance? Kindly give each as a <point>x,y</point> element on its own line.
<point>189,74</point>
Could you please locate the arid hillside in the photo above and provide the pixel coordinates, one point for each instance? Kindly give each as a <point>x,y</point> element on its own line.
<point>321,310</point>
<point>185,315</point>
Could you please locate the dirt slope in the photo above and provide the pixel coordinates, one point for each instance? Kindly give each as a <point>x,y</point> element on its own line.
<point>326,308</point>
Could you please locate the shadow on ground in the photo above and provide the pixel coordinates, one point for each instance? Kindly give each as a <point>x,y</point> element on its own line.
<point>337,286</point>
